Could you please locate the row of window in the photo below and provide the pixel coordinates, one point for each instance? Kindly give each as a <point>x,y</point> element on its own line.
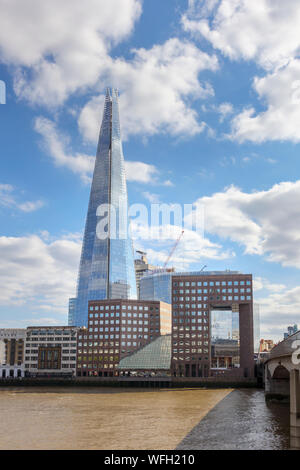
<point>117,322</point>
<point>193,351</point>
<point>212,283</point>
<point>190,313</point>
<point>211,291</point>
<point>189,358</point>
<point>36,345</point>
<point>124,307</point>
<point>224,298</point>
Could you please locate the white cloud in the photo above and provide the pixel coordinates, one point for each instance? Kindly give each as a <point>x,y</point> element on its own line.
<point>193,247</point>
<point>156,86</point>
<point>225,109</point>
<point>265,223</point>
<point>57,146</point>
<point>36,274</point>
<point>152,197</point>
<point>140,172</point>
<point>31,206</point>
<point>56,49</point>
<point>260,283</point>
<point>61,47</point>
<point>279,310</point>
<point>9,199</point>
<point>266,32</point>
<point>280,91</point>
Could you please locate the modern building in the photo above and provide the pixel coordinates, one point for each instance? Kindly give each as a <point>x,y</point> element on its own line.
<point>117,328</point>
<point>107,263</point>
<point>50,351</point>
<point>151,360</point>
<point>72,311</point>
<point>12,352</point>
<point>291,330</point>
<point>212,325</point>
<point>141,268</point>
<point>157,285</point>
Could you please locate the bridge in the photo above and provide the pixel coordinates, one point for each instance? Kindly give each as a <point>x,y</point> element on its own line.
<point>282,380</point>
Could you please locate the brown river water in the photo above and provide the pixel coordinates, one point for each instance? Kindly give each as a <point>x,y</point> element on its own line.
<point>132,419</point>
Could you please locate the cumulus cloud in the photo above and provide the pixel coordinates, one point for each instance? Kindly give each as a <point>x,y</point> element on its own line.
<point>158,240</point>
<point>260,283</point>
<point>59,47</point>
<point>38,273</point>
<point>156,86</point>
<point>56,49</point>
<point>58,148</point>
<point>280,90</point>
<point>264,222</point>
<point>9,199</point>
<point>279,310</point>
<point>266,32</point>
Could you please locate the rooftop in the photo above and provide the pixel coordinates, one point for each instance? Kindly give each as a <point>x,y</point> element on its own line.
<point>154,356</point>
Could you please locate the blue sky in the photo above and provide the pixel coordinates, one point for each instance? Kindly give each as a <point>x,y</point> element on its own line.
<point>209,103</point>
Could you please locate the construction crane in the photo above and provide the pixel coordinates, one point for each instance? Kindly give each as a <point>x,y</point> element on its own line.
<point>173,249</point>
<point>141,252</point>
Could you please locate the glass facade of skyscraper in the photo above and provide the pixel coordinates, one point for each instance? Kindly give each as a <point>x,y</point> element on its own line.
<point>107,265</point>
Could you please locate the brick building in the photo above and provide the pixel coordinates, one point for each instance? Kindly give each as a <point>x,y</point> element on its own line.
<point>212,324</point>
<point>117,328</point>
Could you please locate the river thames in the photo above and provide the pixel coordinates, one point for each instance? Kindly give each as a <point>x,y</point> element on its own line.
<point>133,419</point>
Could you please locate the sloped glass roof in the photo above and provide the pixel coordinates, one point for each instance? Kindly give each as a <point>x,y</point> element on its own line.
<point>154,356</point>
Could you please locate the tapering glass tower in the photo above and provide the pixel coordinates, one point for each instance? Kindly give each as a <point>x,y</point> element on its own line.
<point>107,264</point>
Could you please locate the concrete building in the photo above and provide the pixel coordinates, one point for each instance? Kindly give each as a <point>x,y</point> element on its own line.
<point>50,351</point>
<point>117,328</point>
<point>142,267</point>
<point>266,345</point>
<point>212,325</point>
<point>12,352</point>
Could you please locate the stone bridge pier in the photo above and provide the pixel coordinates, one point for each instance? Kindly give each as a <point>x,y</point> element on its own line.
<point>295,408</point>
<point>282,380</point>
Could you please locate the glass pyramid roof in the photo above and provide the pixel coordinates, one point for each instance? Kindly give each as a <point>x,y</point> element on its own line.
<point>154,356</point>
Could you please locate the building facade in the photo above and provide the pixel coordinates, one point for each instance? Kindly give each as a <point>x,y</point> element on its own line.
<point>107,263</point>
<point>212,325</point>
<point>142,267</point>
<point>50,351</point>
<point>266,345</point>
<point>12,352</point>
<point>157,285</point>
<point>117,328</point>
<point>291,330</point>
<point>256,327</point>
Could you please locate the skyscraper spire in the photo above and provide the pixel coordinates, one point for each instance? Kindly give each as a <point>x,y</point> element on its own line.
<point>106,267</point>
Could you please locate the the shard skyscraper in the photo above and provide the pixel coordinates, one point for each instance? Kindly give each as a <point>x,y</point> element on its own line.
<point>107,264</point>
